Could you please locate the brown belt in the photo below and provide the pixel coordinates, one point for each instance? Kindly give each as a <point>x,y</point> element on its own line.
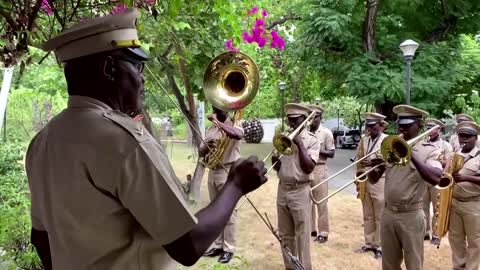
<point>469,199</point>
<point>293,186</point>
<point>406,207</point>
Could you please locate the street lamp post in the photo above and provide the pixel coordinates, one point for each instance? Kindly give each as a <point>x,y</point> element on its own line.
<point>282,86</point>
<point>408,48</point>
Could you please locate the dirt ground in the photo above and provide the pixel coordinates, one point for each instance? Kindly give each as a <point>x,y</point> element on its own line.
<point>257,248</point>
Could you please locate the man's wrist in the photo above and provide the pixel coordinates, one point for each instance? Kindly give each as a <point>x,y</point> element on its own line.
<point>235,190</point>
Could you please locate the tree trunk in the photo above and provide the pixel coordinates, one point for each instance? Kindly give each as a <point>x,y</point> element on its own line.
<point>369,26</point>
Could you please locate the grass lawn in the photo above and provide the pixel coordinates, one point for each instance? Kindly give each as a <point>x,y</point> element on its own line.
<point>258,249</point>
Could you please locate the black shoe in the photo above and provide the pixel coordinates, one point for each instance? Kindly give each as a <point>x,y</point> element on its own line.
<point>226,257</point>
<point>321,239</point>
<point>364,249</point>
<point>313,234</point>
<point>377,254</point>
<point>427,237</point>
<point>214,252</point>
<point>435,241</point>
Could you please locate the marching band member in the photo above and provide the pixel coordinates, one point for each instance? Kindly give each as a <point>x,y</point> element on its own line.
<point>459,118</point>
<point>327,150</point>
<point>431,194</point>
<point>464,229</point>
<point>403,221</point>
<point>224,246</point>
<point>374,202</point>
<point>293,197</point>
<point>103,192</point>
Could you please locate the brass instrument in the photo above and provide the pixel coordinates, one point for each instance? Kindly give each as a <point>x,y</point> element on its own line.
<point>454,165</point>
<point>230,82</point>
<point>284,146</point>
<point>394,150</point>
<point>361,182</point>
<point>284,143</point>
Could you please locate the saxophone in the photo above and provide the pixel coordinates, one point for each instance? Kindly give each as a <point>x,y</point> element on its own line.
<point>361,182</point>
<point>446,185</point>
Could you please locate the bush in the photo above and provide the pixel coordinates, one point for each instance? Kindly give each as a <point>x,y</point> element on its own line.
<point>15,224</point>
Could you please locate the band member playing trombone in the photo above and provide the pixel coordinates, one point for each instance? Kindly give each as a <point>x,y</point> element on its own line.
<point>431,194</point>
<point>224,246</point>
<point>464,229</point>
<point>373,200</point>
<point>327,150</point>
<point>293,197</point>
<point>103,192</point>
<point>459,118</point>
<point>403,221</point>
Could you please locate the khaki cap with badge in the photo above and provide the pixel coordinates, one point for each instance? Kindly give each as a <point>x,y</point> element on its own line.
<point>408,114</point>
<point>468,127</point>
<point>432,122</point>
<point>101,34</point>
<point>463,117</point>
<point>317,108</point>
<point>296,110</point>
<point>372,118</point>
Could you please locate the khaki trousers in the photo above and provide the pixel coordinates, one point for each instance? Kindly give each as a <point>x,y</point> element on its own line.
<point>431,196</point>
<point>320,212</point>
<point>293,208</point>
<point>216,179</point>
<point>373,206</point>
<point>464,235</point>
<point>402,236</point>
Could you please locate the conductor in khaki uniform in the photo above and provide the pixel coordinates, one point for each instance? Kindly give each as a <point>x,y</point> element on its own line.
<point>464,229</point>
<point>293,199</point>
<point>224,246</point>
<point>374,202</point>
<point>459,118</point>
<point>403,220</point>
<point>103,193</point>
<point>431,194</point>
<point>327,150</point>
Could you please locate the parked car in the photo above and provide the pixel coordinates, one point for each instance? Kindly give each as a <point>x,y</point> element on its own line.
<point>346,138</point>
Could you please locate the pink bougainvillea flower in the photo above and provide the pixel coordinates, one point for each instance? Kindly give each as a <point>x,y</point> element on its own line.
<point>149,2</point>
<point>247,37</point>
<point>119,8</point>
<point>252,11</point>
<point>229,46</point>
<point>45,6</point>
<point>264,13</point>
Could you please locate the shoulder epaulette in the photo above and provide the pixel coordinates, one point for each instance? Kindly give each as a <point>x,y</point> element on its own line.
<point>128,124</point>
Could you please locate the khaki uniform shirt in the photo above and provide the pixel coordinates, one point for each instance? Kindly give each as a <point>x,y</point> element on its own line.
<point>325,137</point>
<point>232,151</point>
<point>403,184</point>
<point>104,190</point>
<point>465,190</point>
<point>290,171</point>
<point>456,144</point>
<point>369,146</point>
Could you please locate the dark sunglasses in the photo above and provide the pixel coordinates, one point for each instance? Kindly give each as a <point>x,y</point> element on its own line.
<point>405,126</point>
<point>465,135</point>
<point>371,125</point>
<point>140,66</point>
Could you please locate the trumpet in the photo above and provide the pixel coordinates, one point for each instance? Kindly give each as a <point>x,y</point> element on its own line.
<point>445,186</point>
<point>394,150</point>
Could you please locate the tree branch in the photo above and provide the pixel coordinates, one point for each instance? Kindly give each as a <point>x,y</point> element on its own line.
<point>9,19</point>
<point>33,15</point>
<point>282,20</point>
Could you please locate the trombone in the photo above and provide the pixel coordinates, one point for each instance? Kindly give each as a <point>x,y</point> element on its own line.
<point>394,150</point>
<point>284,145</point>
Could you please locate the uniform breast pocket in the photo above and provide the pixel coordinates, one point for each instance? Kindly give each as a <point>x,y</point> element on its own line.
<point>471,168</point>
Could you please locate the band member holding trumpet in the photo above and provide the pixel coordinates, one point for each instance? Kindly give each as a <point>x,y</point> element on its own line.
<point>431,194</point>
<point>464,229</point>
<point>373,200</point>
<point>403,221</point>
<point>459,118</point>
<point>293,198</point>
<point>327,150</point>
<point>224,246</point>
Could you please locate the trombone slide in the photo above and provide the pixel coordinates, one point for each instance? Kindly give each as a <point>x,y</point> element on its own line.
<point>344,186</point>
